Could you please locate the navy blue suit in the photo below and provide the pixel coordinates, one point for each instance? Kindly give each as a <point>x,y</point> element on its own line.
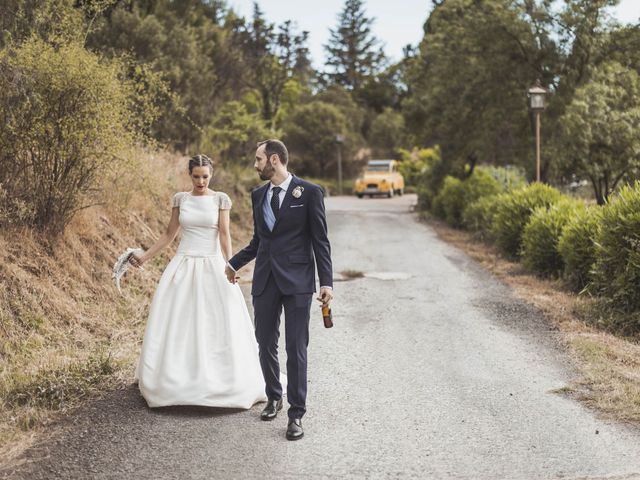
<point>284,277</point>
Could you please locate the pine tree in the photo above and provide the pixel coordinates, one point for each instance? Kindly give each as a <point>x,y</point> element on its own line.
<point>353,51</point>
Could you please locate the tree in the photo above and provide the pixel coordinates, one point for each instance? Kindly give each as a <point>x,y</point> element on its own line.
<point>600,129</point>
<point>387,133</point>
<point>272,58</point>
<point>468,79</point>
<point>353,53</point>
<point>310,133</point>
<point>233,134</point>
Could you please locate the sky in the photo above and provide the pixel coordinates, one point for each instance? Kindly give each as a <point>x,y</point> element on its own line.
<point>396,22</point>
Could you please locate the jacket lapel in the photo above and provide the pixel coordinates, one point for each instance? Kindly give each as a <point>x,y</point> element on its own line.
<point>287,200</point>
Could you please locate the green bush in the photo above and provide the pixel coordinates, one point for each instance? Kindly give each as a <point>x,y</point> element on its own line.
<point>541,235</point>
<point>577,246</point>
<point>431,180</point>
<point>616,272</point>
<point>69,118</point>
<point>456,195</point>
<point>415,163</point>
<point>478,216</point>
<point>512,213</point>
<point>448,203</point>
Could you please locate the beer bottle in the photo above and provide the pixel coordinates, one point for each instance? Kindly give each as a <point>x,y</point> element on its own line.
<point>326,316</point>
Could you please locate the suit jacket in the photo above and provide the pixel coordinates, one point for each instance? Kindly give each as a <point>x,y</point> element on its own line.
<point>299,236</point>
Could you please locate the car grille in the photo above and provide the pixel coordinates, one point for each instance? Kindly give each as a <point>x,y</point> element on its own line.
<point>372,185</point>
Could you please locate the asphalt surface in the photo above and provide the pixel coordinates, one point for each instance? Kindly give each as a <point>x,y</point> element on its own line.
<point>433,370</point>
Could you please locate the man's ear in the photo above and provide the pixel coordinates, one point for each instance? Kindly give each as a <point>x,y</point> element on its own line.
<point>276,157</point>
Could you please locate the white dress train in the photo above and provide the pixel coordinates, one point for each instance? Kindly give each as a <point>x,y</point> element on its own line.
<point>199,346</point>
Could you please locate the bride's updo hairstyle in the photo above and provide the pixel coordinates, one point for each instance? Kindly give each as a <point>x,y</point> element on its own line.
<point>200,161</point>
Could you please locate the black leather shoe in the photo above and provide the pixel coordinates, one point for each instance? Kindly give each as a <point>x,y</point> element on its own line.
<point>271,410</point>
<point>294,430</point>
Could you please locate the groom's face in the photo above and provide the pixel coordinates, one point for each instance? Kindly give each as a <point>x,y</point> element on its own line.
<point>263,165</point>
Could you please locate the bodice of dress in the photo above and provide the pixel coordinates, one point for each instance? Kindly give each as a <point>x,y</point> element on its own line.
<point>199,216</point>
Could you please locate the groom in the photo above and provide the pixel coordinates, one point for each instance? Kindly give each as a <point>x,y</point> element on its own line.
<point>289,230</point>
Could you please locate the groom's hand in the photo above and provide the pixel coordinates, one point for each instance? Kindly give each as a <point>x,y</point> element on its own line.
<point>231,274</point>
<point>326,295</point>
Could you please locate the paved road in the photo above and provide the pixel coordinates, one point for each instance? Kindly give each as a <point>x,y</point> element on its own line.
<point>433,371</point>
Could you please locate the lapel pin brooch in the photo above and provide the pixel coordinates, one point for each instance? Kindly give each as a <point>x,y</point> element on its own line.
<point>297,192</point>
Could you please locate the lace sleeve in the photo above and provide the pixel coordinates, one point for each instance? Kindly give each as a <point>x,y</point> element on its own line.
<point>177,199</point>
<point>225,201</point>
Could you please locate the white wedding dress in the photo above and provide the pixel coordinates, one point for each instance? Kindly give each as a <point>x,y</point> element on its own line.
<point>199,346</point>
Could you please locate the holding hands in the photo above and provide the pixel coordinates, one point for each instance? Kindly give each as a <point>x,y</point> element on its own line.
<point>231,274</point>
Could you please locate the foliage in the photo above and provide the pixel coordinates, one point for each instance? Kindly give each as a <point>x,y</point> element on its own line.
<point>55,21</point>
<point>449,201</point>
<point>512,213</point>
<point>601,141</point>
<point>353,55</point>
<point>386,133</point>
<point>310,133</point>
<point>478,216</point>
<point>468,78</point>
<point>271,58</point>
<point>415,163</point>
<point>577,246</point>
<point>233,134</point>
<point>616,272</point>
<point>456,195</point>
<point>540,252</point>
<point>68,117</point>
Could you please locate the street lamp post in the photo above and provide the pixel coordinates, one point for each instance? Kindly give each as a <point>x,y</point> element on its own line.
<point>536,103</point>
<point>339,142</point>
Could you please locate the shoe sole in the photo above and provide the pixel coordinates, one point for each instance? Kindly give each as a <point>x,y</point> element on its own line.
<point>294,438</point>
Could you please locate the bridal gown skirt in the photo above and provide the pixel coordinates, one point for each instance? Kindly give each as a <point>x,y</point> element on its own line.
<point>199,346</point>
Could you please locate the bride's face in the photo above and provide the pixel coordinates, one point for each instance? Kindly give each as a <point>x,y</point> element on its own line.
<point>200,177</point>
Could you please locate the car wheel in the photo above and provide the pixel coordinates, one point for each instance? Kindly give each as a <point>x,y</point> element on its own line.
<point>359,195</point>
<point>371,196</point>
<point>401,191</point>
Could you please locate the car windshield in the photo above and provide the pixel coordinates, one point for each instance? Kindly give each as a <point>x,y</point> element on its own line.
<point>377,168</point>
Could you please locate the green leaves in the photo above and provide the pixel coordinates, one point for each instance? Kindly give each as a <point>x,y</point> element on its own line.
<point>601,125</point>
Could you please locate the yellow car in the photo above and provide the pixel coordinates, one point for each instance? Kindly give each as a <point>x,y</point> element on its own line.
<point>381,177</point>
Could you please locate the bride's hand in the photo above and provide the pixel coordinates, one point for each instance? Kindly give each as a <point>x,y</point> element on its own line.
<point>136,261</point>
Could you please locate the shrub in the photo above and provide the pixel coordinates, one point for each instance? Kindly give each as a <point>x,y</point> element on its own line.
<point>478,216</point>
<point>415,163</point>
<point>616,272</point>
<point>448,203</point>
<point>540,237</point>
<point>456,195</point>
<point>577,246</point>
<point>431,179</point>
<point>68,118</point>
<point>512,212</point>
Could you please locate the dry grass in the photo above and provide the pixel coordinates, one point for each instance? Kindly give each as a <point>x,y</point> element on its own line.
<point>65,333</point>
<point>609,364</point>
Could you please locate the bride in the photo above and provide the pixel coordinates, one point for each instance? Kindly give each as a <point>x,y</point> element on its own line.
<point>199,346</point>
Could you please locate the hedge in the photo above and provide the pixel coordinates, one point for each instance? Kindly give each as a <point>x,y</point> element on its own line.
<point>512,212</point>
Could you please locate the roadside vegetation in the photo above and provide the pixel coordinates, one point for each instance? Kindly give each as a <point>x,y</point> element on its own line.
<point>103,101</point>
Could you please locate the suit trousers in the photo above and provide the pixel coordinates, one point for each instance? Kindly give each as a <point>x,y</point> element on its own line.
<point>267,309</point>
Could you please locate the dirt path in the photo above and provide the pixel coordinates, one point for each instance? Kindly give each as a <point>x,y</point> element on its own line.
<point>434,370</point>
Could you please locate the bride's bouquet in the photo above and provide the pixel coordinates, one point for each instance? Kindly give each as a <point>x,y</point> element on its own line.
<point>122,265</point>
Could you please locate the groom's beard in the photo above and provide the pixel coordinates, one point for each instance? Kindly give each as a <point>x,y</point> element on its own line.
<point>267,172</point>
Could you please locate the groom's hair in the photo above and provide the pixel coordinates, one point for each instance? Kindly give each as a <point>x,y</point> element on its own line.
<point>275,146</point>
